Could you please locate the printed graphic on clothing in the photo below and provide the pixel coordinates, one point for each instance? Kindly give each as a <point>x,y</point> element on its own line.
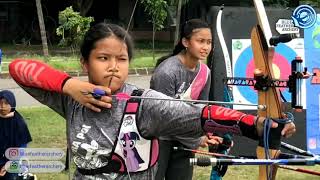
<point>133,148</point>
<point>88,154</point>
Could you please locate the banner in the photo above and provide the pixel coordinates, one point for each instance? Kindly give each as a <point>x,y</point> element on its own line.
<point>312,53</point>
<point>243,66</point>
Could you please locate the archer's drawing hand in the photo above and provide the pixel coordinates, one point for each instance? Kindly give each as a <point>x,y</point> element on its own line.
<point>81,91</point>
<point>210,140</point>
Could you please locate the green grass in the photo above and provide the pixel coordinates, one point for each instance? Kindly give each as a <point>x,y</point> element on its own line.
<point>48,130</point>
<point>70,62</point>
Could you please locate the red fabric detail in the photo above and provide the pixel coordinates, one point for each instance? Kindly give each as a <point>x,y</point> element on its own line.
<point>219,113</point>
<point>115,157</point>
<point>132,107</point>
<point>199,81</point>
<point>154,152</point>
<point>37,74</point>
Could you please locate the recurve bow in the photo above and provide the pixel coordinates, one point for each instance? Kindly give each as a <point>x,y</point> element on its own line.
<point>270,96</point>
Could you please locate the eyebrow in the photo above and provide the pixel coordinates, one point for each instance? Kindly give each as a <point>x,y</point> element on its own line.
<point>109,54</point>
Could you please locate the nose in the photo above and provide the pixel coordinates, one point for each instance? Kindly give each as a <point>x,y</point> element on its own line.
<point>207,46</point>
<point>112,64</point>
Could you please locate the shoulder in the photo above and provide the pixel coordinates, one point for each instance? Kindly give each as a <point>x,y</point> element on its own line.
<point>169,67</point>
<point>128,88</point>
<point>169,64</point>
<point>154,93</point>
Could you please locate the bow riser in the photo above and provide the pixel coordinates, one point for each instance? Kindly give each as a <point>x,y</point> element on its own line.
<point>263,56</point>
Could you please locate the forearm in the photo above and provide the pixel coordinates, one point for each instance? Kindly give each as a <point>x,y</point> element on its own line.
<point>37,74</point>
<point>228,120</point>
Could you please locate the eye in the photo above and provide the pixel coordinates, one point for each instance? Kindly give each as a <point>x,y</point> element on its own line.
<point>103,58</point>
<point>123,58</point>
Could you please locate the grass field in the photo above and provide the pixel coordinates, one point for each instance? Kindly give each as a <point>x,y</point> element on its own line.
<point>68,60</point>
<point>48,130</point>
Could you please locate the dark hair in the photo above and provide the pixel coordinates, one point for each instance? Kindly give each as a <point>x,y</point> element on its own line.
<point>186,32</point>
<point>9,96</point>
<point>101,31</point>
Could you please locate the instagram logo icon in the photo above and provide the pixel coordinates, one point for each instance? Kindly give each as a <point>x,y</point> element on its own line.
<point>12,153</point>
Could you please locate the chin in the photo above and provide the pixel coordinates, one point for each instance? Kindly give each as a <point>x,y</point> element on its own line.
<point>116,86</point>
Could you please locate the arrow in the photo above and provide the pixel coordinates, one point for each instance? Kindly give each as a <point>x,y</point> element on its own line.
<point>205,161</point>
<point>98,93</point>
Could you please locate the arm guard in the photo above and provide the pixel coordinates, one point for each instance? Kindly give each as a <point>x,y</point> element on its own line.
<point>217,119</point>
<point>37,74</point>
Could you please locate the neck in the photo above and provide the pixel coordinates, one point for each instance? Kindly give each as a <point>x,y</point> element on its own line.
<point>188,61</point>
<point>11,114</point>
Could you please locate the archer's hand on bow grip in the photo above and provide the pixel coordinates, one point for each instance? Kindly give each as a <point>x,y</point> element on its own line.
<point>217,119</point>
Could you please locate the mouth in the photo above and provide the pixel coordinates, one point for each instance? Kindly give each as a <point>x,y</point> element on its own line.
<point>112,76</point>
<point>203,54</point>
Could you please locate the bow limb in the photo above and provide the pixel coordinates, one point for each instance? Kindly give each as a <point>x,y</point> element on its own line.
<point>263,55</point>
<point>223,44</point>
<point>227,89</point>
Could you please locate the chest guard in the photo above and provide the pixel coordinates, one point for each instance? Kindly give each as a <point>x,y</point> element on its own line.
<point>135,152</point>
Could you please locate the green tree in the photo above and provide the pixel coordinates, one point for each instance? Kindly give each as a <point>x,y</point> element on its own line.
<point>157,11</point>
<point>72,27</point>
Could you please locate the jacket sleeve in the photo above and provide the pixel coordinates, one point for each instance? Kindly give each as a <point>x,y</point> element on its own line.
<point>218,118</point>
<point>176,118</point>
<point>33,73</point>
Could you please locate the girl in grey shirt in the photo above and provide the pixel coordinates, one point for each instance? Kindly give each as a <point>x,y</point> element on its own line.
<point>97,124</point>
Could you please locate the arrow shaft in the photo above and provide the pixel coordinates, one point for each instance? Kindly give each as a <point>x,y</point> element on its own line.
<point>261,107</point>
<point>205,161</point>
<point>299,170</point>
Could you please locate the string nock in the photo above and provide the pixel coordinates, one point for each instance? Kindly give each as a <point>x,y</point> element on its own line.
<point>122,96</point>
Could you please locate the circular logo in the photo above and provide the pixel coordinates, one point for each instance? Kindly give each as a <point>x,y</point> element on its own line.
<point>304,16</point>
<point>237,45</point>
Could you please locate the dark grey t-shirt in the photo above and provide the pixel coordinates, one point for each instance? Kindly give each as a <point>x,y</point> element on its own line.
<point>93,134</point>
<point>172,78</point>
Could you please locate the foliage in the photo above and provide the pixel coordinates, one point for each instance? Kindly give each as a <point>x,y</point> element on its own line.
<point>157,10</point>
<point>311,2</point>
<point>72,27</point>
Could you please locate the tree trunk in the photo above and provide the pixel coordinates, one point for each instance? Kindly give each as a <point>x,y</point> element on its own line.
<point>176,37</point>
<point>42,29</point>
<point>153,41</point>
<point>84,6</point>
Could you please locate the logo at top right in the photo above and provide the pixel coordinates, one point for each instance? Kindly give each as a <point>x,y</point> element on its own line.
<point>304,16</point>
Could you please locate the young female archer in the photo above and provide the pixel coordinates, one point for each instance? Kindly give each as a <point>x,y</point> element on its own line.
<point>113,138</point>
<point>182,75</point>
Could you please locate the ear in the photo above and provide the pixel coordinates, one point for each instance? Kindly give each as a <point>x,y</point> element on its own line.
<point>185,42</point>
<point>84,65</point>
